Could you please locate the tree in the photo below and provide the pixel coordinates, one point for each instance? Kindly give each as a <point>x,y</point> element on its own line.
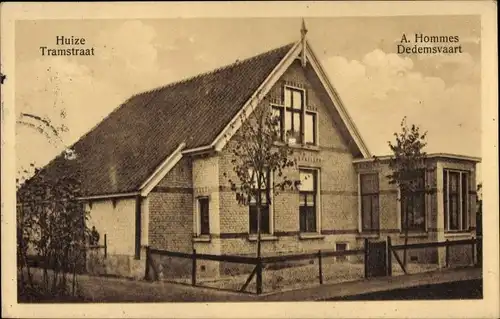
<point>479,209</point>
<point>51,221</point>
<point>408,163</point>
<point>260,159</point>
<point>479,191</point>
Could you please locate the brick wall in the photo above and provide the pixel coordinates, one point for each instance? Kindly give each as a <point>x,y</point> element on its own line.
<point>338,186</point>
<point>173,208</point>
<point>172,213</point>
<point>170,210</point>
<point>206,184</point>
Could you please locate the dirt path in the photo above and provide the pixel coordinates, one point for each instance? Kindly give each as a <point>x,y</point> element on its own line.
<point>105,289</point>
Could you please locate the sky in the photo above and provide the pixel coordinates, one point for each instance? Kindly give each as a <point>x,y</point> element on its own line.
<point>440,93</point>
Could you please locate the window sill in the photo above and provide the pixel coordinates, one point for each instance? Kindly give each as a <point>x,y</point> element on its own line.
<point>458,233</point>
<point>263,237</point>
<point>202,239</point>
<point>421,234</point>
<point>309,147</point>
<point>311,236</point>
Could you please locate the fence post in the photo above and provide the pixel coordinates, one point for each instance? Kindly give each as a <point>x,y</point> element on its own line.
<point>259,275</point>
<point>479,247</point>
<point>193,268</point>
<point>320,263</point>
<point>389,256</point>
<point>447,253</point>
<point>473,248</point>
<point>105,246</point>
<point>146,275</point>
<point>366,258</point>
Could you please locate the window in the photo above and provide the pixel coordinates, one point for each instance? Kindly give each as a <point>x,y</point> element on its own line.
<point>456,200</point>
<point>278,115</point>
<point>293,113</point>
<point>310,128</point>
<point>307,201</point>
<point>264,207</point>
<point>341,247</point>
<point>413,206</point>
<point>295,121</point>
<point>203,208</point>
<point>369,202</point>
<point>264,218</point>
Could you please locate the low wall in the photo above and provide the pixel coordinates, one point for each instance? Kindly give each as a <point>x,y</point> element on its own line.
<point>115,265</point>
<point>168,267</point>
<point>420,255</point>
<point>460,255</point>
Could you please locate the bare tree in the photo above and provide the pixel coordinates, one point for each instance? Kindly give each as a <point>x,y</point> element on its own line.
<point>408,163</point>
<point>260,159</point>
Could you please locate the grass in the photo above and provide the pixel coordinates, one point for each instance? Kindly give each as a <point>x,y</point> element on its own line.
<point>38,293</point>
<point>108,289</point>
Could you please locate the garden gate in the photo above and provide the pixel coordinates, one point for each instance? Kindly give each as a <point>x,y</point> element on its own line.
<point>376,259</point>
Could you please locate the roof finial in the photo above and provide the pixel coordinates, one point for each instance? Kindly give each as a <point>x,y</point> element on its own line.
<point>303,32</point>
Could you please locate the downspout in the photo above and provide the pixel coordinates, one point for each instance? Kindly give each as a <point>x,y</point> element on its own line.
<point>138,227</point>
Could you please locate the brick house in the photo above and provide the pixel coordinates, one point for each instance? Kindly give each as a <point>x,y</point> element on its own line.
<point>154,171</point>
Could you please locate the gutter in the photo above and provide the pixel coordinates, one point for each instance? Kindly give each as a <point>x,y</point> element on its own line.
<point>433,155</point>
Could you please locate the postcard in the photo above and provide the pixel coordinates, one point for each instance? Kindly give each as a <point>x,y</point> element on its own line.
<point>249,159</point>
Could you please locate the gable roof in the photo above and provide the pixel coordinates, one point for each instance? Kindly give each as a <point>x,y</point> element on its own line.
<point>123,150</point>
<point>133,148</point>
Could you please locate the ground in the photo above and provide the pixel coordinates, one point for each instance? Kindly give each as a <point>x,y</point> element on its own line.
<point>467,289</point>
<point>104,289</point>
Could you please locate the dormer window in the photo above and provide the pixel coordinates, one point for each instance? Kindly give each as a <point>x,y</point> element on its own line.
<point>297,125</point>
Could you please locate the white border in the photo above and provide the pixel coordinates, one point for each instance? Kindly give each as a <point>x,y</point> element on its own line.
<point>488,307</point>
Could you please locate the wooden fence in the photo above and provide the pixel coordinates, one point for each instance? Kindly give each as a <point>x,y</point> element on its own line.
<point>39,261</point>
<point>473,242</point>
<point>105,246</point>
<point>259,262</point>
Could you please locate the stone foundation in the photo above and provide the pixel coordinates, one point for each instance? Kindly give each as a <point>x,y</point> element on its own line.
<point>116,265</point>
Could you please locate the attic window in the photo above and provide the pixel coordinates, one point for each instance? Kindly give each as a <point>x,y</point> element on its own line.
<point>296,124</point>
<point>294,105</point>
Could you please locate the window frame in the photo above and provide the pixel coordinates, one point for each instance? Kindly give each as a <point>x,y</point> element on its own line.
<point>284,110</point>
<point>199,217</point>
<point>281,110</point>
<point>293,111</point>
<point>317,204</point>
<point>463,200</point>
<point>371,195</point>
<point>421,194</point>
<point>267,207</point>
<point>314,127</point>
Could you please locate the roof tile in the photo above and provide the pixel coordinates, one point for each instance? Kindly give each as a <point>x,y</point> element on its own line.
<point>123,150</point>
